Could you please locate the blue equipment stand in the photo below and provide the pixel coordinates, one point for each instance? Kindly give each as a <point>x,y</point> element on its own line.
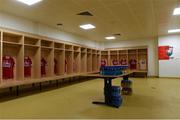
<point>108,92</point>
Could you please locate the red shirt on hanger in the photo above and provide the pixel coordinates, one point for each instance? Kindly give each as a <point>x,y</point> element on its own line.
<point>66,66</point>
<point>115,62</point>
<point>123,62</point>
<point>43,66</point>
<point>133,64</point>
<point>55,66</point>
<point>8,67</point>
<point>103,62</point>
<point>27,66</point>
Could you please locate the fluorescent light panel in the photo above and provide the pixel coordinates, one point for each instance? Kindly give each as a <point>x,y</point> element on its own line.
<point>29,2</point>
<point>87,26</point>
<point>173,30</point>
<point>176,11</point>
<point>110,38</point>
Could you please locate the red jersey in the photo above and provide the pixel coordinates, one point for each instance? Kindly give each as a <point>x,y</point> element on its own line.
<point>27,67</point>
<point>8,67</point>
<point>43,66</point>
<point>55,66</point>
<point>65,66</point>
<point>115,62</point>
<point>74,66</point>
<point>123,62</point>
<point>103,62</point>
<point>133,64</point>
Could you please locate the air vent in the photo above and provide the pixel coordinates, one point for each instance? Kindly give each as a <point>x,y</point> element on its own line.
<point>59,24</point>
<point>86,13</point>
<point>117,34</point>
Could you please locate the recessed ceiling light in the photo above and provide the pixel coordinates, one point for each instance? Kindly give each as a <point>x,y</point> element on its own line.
<point>87,26</point>
<point>176,11</point>
<point>110,38</point>
<point>174,31</point>
<point>29,2</point>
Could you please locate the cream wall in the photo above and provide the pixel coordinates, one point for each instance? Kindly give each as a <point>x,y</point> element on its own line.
<point>170,68</point>
<point>151,43</point>
<point>21,24</point>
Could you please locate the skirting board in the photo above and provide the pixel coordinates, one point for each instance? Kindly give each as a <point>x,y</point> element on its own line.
<point>170,77</point>
<point>153,76</point>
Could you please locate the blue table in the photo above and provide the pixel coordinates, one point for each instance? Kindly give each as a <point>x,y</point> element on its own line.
<point>108,86</point>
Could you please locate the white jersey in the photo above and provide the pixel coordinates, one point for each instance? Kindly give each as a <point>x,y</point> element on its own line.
<point>142,64</point>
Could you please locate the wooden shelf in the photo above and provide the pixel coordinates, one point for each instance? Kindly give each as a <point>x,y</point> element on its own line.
<point>77,49</point>
<point>33,46</point>
<point>123,54</point>
<point>59,66</point>
<point>83,52</point>
<point>11,37</point>
<point>11,43</point>
<point>80,59</point>
<point>31,41</point>
<point>44,47</point>
<point>138,53</point>
<point>113,54</point>
<point>46,43</point>
<point>67,50</point>
<point>59,45</point>
<point>59,49</point>
<point>68,47</point>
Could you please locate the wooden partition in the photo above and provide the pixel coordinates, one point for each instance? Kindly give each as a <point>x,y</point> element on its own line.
<point>114,56</point>
<point>47,53</point>
<point>123,57</point>
<point>12,45</point>
<point>32,50</point>
<point>1,36</point>
<point>98,60</point>
<point>105,57</point>
<point>136,58</point>
<point>143,59</point>
<point>89,60</point>
<point>59,59</point>
<point>94,60</point>
<point>83,60</point>
<point>37,58</point>
<point>69,59</point>
<point>132,55</point>
<point>77,59</point>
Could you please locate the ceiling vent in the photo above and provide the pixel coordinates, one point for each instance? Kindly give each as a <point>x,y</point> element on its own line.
<point>117,34</point>
<point>86,13</point>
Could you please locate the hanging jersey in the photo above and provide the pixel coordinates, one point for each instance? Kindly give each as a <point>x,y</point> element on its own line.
<point>123,62</point>
<point>8,67</point>
<point>103,62</point>
<point>66,66</point>
<point>142,64</point>
<point>133,64</point>
<point>43,66</point>
<point>74,66</point>
<point>115,62</point>
<point>27,67</point>
<point>55,66</point>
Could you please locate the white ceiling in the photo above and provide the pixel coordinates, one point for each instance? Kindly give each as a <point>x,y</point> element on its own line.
<point>133,19</point>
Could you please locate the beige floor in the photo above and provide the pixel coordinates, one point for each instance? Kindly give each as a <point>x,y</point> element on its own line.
<point>152,98</point>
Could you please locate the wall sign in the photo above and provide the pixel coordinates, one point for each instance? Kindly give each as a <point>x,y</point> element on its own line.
<point>165,52</point>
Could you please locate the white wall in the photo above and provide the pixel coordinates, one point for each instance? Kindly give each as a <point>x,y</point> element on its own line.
<point>21,24</point>
<point>170,68</point>
<point>152,44</point>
